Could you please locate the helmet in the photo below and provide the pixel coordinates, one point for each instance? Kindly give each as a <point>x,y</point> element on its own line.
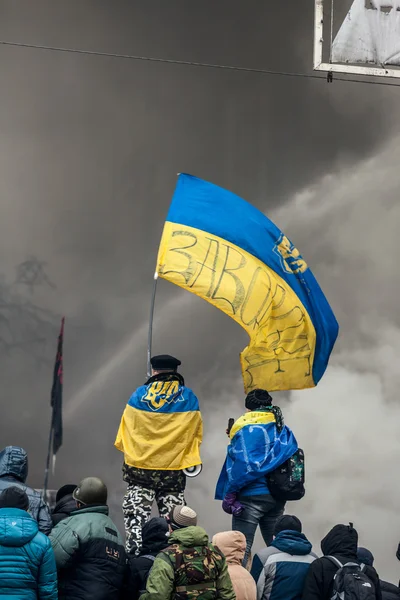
<point>91,490</point>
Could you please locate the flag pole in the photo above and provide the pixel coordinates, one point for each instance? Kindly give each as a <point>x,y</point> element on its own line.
<point>46,473</point>
<point>150,335</point>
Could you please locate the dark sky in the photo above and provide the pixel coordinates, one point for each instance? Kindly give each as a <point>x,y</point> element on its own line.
<point>89,152</point>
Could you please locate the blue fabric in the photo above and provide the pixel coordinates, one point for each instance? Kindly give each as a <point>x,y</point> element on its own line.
<point>27,565</point>
<point>254,451</point>
<point>292,542</point>
<point>183,400</point>
<point>203,205</point>
<point>256,488</point>
<point>285,577</point>
<point>13,472</point>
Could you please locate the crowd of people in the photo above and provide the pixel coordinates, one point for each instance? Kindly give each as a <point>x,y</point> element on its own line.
<point>75,550</point>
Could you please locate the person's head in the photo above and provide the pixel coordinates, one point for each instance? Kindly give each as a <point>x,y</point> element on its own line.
<point>164,363</point>
<point>287,523</point>
<point>65,490</point>
<point>91,491</point>
<point>155,535</point>
<point>342,540</point>
<point>365,557</point>
<point>257,399</point>
<point>14,497</point>
<point>180,517</point>
<point>14,463</point>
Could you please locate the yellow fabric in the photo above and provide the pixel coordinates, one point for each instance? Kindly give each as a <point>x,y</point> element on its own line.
<point>280,353</point>
<point>252,418</point>
<point>160,441</point>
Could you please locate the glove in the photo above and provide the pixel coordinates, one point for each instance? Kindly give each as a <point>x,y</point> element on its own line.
<point>232,506</point>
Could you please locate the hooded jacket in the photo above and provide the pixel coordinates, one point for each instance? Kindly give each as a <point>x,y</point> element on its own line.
<point>281,569</point>
<point>389,591</point>
<point>90,556</point>
<point>341,542</point>
<point>155,537</point>
<point>232,544</point>
<point>27,565</point>
<point>63,509</point>
<point>206,579</point>
<point>14,471</point>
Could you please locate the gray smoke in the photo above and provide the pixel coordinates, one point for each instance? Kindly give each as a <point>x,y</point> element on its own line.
<point>90,148</point>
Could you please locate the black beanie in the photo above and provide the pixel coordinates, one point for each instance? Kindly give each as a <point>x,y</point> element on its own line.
<point>258,399</point>
<point>65,490</point>
<point>287,522</point>
<point>14,497</point>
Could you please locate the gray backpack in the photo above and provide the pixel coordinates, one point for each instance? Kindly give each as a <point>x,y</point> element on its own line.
<point>350,582</point>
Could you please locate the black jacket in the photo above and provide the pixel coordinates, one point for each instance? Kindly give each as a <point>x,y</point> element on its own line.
<point>341,542</point>
<point>14,471</point>
<point>63,509</point>
<point>154,539</point>
<point>389,591</point>
<point>90,556</point>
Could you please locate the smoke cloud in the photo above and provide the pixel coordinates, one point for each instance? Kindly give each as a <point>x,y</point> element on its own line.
<point>89,153</point>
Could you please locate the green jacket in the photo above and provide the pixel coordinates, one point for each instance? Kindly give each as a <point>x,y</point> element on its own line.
<point>89,554</point>
<point>190,568</point>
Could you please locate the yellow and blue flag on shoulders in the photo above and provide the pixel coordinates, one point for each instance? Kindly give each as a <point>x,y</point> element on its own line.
<point>161,427</point>
<point>221,248</point>
<point>256,449</point>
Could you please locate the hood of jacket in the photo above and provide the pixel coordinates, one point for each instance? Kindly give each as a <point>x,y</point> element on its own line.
<point>232,544</point>
<point>155,536</point>
<point>17,527</point>
<point>341,541</point>
<point>292,542</point>
<point>65,506</point>
<point>189,537</point>
<point>14,462</point>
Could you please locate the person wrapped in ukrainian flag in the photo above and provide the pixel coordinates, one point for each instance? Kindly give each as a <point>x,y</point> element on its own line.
<point>160,435</point>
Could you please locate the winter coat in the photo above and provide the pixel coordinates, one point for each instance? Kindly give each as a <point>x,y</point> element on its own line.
<point>280,570</point>
<point>90,556</point>
<point>232,544</point>
<point>14,471</point>
<point>206,578</point>
<point>63,509</point>
<point>389,591</point>
<point>27,565</point>
<point>155,537</point>
<point>341,542</point>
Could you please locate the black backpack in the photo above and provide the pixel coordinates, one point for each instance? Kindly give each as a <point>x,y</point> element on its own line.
<point>286,482</point>
<point>350,582</point>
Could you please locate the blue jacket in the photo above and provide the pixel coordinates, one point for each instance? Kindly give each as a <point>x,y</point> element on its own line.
<point>14,471</point>
<point>280,570</point>
<point>27,565</point>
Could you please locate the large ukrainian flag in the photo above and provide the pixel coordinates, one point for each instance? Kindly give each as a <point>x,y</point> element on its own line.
<point>161,427</point>
<point>221,248</point>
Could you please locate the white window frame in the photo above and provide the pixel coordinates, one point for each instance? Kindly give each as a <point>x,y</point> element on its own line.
<point>336,67</point>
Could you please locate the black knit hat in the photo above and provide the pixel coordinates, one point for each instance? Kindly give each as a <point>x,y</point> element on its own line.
<point>287,522</point>
<point>258,399</point>
<point>65,490</point>
<point>14,497</point>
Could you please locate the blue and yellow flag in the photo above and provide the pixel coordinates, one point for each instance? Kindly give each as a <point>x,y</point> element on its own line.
<point>161,427</point>
<point>256,449</point>
<point>221,248</point>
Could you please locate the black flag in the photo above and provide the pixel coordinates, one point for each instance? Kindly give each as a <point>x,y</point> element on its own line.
<point>56,394</point>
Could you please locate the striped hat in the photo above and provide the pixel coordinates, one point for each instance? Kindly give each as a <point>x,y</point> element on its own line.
<point>182,516</point>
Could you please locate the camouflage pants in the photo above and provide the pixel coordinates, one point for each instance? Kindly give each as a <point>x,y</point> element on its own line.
<point>137,505</point>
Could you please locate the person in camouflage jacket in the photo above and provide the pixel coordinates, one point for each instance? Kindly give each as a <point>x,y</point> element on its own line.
<point>191,568</point>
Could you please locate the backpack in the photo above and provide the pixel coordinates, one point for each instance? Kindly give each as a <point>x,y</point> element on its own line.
<point>196,571</point>
<point>286,482</point>
<point>144,581</point>
<point>350,582</point>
